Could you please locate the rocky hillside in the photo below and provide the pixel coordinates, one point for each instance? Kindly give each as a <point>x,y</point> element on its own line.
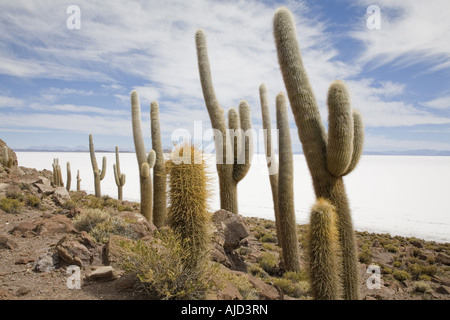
<point>45,231</point>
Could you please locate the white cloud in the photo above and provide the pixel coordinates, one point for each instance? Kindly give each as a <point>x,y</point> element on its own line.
<point>411,32</point>
<point>9,102</point>
<point>442,103</point>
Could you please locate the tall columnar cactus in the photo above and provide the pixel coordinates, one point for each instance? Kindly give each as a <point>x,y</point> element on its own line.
<point>188,196</point>
<point>78,181</point>
<point>98,175</point>
<point>119,177</point>
<point>329,157</point>
<point>272,163</point>
<point>69,176</point>
<point>57,177</point>
<point>286,190</point>
<point>232,161</point>
<point>159,170</point>
<point>323,247</point>
<point>145,162</point>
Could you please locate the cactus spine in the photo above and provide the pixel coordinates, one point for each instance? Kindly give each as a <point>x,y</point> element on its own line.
<point>159,170</point>
<point>319,155</point>
<point>69,177</point>
<point>323,246</point>
<point>286,190</point>
<point>231,161</point>
<point>188,195</point>
<point>145,162</point>
<point>78,181</point>
<point>119,177</point>
<point>98,175</point>
<point>57,177</point>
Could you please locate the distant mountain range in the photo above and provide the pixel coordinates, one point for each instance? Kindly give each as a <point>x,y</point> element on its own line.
<point>423,152</point>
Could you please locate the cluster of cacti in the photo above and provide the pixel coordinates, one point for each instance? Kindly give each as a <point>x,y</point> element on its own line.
<point>329,157</point>
<point>57,176</point>
<point>69,177</point>
<point>98,175</point>
<point>119,176</point>
<point>145,162</point>
<point>188,196</point>
<point>233,145</point>
<point>323,248</point>
<point>281,180</point>
<point>7,161</point>
<point>159,170</point>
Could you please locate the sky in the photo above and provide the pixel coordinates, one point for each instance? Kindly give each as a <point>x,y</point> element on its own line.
<point>60,82</point>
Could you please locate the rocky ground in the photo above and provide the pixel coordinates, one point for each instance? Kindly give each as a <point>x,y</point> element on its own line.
<point>38,243</point>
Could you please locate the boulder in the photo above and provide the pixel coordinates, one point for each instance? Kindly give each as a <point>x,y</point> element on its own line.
<point>56,224</point>
<point>7,243</point>
<point>44,226</point>
<point>61,196</point>
<point>44,189</point>
<point>140,225</point>
<point>443,258</point>
<point>80,250</point>
<point>443,289</point>
<point>46,262</point>
<point>233,227</point>
<point>102,273</point>
<point>114,250</point>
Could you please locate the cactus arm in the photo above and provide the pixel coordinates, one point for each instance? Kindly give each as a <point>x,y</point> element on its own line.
<point>159,170</point>
<point>286,189</point>
<point>78,181</point>
<point>92,153</point>
<point>322,251</point>
<point>151,160</point>
<point>137,130</point>
<point>358,142</point>
<point>215,111</point>
<point>116,175</point>
<point>340,129</point>
<point>103,172</point>
<point>241,169</point>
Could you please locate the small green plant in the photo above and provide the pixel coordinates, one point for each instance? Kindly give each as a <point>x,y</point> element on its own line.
<point>101,225</point>
<point>11,205</point>
<point>416,270</point>
<point>32,201</point>
<point>422,286</point>
<point>268,237</point>
<point>365,257</point>
<point>160,267</point>
<point>397,264</point>
<point>243,284</point>
<point>401,275</point>
<point>269,263</point>
<point>391,248</point>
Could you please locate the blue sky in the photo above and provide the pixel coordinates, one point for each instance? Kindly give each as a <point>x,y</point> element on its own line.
<point>59,85</point>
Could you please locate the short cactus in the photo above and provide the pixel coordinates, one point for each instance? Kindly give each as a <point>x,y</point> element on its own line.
<point>98,175</point>
<point>329,157</point>
<point>188,196</point>
<point>119,177</point>
<point>145,162</point>
<point>78,181</point>
<point>57,177</point>
<point>7,161</point>
<point>69,177</point>
<point>159,170</point>
<point>323,248</point>
<point>233,162</point>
